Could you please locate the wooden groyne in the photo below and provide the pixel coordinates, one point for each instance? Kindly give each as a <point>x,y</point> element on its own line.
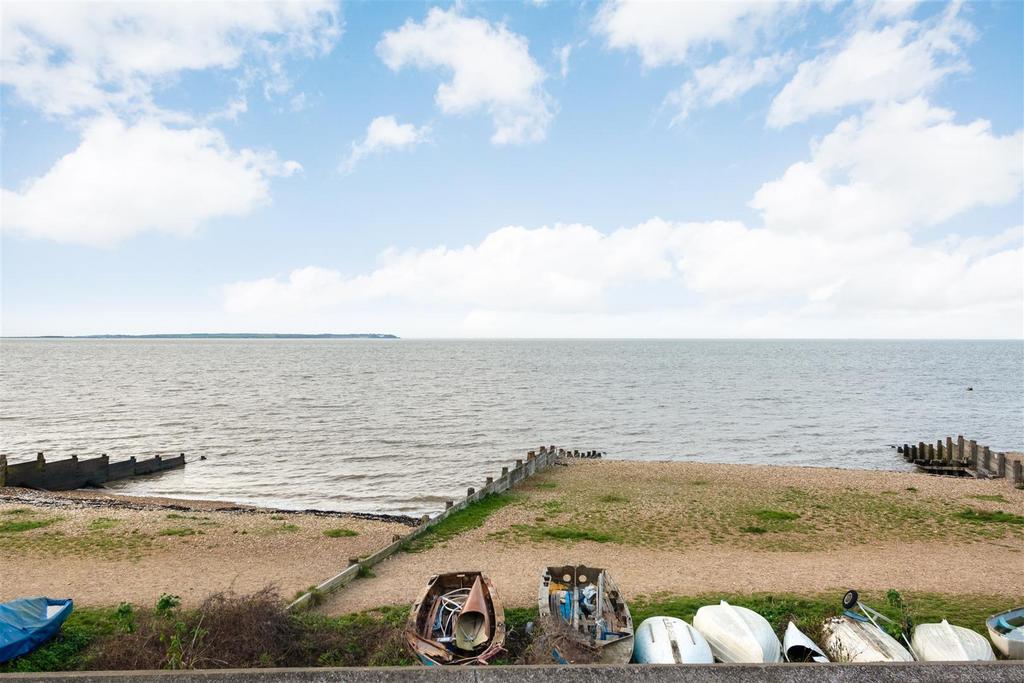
<point>65,475</point>
<point>536,461</point>
<point>963,458</point>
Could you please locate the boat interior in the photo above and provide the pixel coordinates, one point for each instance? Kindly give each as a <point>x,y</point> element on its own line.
<point>588,602</point>
<point>441,617</point>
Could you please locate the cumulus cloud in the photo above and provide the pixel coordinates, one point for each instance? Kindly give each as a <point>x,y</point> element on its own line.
<point>897,167</point>
<point>83,58</point>
<point>669,32</point>
<point>384,133</point>
<point>835,254</point>
<point>123,180</point>
<point>490,66</point>
<point>895,62</point>
<point>725,80</point>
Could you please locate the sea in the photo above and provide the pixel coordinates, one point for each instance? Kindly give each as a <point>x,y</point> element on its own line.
<point>397,426</point>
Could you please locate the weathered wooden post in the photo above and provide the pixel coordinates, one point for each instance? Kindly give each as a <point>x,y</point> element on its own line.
<point>922,451</point>
<point>40,462</point>
<point>470,491</point>
<point>519,463</point>
<point>931,453</point>
<point>986,459</point>
<point>424,519</point>
<point>504,471</point>
<point>3,470</point>
<point>352,561</point>
<point>950,453</point>
<point>939,455</point>
<point>490,480</point>
<point>960,453</point>
<point>1018,472</point>
<point>1000,465</point>
<point>448,504</point>
<point>972,455</point>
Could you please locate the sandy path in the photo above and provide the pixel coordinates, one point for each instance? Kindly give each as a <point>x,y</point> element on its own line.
<point>127,558</point>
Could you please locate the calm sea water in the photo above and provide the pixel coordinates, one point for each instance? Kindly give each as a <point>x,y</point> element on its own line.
<point>399,426</point>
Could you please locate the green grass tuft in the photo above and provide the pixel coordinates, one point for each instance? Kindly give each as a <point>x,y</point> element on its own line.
<point>565,533</point>
<point>470,517</point>
<point>776,515</point>
<point>15,526</point>
<point>985,517</point>
<point>102,523</point>
<point>340,532</point>
<point>178,531</point>
<point>612,498</point>
<point>18,511</point>
<point>753,530</point>
<point>995,498</point>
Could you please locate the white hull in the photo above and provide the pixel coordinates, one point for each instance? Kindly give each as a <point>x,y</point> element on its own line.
<point>1009,642</point>
<point>667,640</point>
<point>797,647</point>
<point>850,640</point>
<point>737,634</point>
<point>948,643</point>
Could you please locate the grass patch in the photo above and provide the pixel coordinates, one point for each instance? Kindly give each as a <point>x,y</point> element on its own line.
<point>912,489</point>
<point>103,523</point>
<point>178,531</point>
<point>18,511</point>
<point>767,515</point>
<point>470,517</point>
<point>986,517</point>
<point>365,572</point>
<point>612,498</point>
<point>16,526</point>
<point>102,544</point>
<point>545,485</point>
<point>565,533</point>
<point>753,530</point>
<point>340,532</point>
<point>994,498</point>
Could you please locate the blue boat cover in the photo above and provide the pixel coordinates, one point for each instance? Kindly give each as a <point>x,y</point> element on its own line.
<point>24,624</point>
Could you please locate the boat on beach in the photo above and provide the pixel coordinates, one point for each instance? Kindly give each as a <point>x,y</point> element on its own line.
<point>855,636</point>
<point>582,611</point>
<point>797,647</point>
<point>27,623</point>
<point>945,642</point>
<point>458,619</point>
<point>667,640</point>
<point>737,634</point>
<point>1006,630</point>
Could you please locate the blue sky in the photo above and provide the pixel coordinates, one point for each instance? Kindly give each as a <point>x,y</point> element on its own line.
<point>528,170</point>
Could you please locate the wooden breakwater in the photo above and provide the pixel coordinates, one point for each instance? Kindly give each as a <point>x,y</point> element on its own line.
<point>963,458</point>
<point>536,461</point>
<point>64,475</point>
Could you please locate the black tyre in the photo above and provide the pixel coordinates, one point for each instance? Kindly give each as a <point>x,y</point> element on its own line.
<point>850,599</point>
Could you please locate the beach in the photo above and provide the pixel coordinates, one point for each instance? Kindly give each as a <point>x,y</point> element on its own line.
<point>659,527</point>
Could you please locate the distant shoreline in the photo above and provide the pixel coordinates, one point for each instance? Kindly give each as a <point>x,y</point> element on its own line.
<point>213,335</point>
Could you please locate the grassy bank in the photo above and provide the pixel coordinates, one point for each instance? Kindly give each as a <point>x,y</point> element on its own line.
<point>255,631</point>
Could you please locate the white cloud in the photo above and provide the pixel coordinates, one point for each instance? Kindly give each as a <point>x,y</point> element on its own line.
<point>897,167</point>
<point>668,32</point>
<point>563,53</point>
<point>895,62</point>
<point>86,57</point>
<point>725,80</point>
<point>384,133</point>
<point>835,255</point>
<point>490,68</point>
<point>123,180</point>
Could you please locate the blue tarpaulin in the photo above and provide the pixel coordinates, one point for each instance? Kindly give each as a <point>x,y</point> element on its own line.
<point>27,623</point>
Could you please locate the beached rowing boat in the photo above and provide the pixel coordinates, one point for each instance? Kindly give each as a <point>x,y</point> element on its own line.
<point>457,620</point>
<point>848,639</point>
<point>667,640</point>
<point>945,642</point>
<point>737,634</point>
<point>1006,630</point>
<point>584,615</point>
<point>27,623</point>
<point>797,647</point>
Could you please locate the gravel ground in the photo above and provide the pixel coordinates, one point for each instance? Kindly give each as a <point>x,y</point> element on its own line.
<point>882,557</point>
<point>116,551</point>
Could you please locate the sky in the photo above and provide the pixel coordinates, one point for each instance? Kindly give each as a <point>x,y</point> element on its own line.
<point>516,169</point>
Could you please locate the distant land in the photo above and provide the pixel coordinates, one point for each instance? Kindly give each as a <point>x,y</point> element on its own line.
<point>216,335</point>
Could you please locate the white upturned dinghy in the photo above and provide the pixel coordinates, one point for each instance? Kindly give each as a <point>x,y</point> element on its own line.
<point>948,643</point>
<point>737,634</point>
<point>667,640</point>
<point>797,647</point>
<point>850,640</point>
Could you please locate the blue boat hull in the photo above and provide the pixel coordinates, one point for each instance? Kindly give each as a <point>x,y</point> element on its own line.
<point>27,623</point>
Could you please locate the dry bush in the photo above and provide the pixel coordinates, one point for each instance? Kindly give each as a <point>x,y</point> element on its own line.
<point>551,634</point>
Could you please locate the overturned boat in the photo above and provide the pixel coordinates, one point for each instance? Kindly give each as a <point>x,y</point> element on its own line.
<point>797,647</point>
<point>737,634</point>
<point>584,616</point>
<point>945,642</point>
<point>27,623</point>
<point>855,636</point>
<point>457,620</point>
<point>667,640</point>
<point>1006,630</point>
